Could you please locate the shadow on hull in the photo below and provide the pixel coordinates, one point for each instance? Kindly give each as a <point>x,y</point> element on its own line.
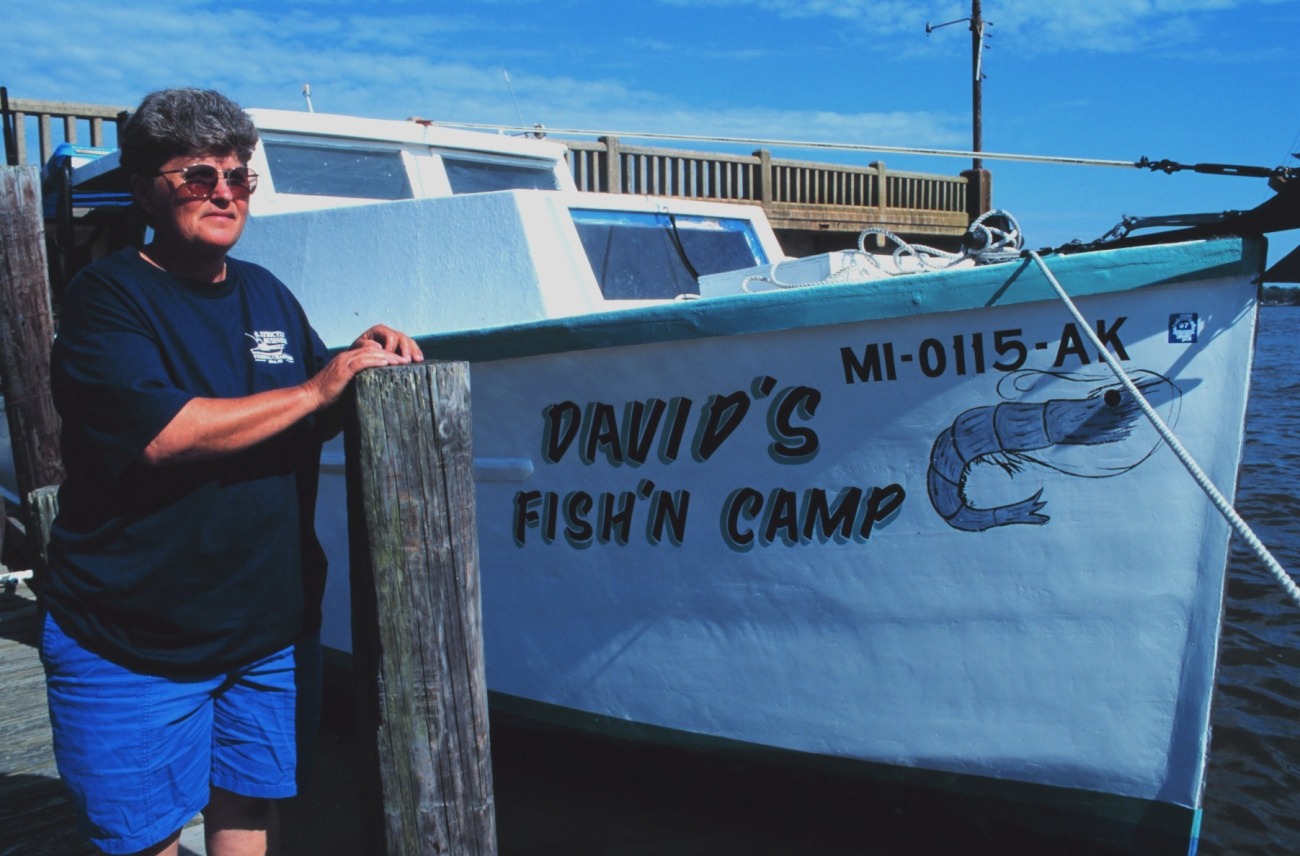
<point>600,787</point>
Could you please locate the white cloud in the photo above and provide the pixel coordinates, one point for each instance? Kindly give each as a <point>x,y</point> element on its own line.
<point>392,65</point>
<point>1110,26</point>
<point>680,52</point>
<point>876,15</point>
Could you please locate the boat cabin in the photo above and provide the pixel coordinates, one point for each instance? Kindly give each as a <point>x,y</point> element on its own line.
<point>481,229</point>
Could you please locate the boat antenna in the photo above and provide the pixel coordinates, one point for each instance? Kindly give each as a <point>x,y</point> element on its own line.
<point>306,93</point>
<point>512,95</point>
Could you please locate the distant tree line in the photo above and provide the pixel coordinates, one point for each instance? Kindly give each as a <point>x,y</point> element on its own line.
<point>1276,295</point>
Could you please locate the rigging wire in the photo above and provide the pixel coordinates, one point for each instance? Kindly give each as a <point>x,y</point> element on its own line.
<point>1164,165</point>
<point>1219,501</point>
<point>807,144</point>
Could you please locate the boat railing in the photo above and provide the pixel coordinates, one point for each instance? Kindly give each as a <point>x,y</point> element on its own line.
<point>45,117</point>
<point>796,194</point>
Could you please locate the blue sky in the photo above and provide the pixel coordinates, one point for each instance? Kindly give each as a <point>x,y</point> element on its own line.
<point>1190,80</point>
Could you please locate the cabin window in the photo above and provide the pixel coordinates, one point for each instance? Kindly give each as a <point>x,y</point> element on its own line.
<point>477,176</point>
<point>638,256</point>
<point>344,171</point>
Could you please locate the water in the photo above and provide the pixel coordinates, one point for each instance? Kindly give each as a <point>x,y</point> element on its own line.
<point>1252,797</point>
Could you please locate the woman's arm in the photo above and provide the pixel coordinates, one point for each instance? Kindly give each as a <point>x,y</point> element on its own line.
<point>214,427</point>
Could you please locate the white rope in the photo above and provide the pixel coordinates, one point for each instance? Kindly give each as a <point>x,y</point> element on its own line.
<point>799,144</point>
<point>999,244</point>
<point>851,272</point>
<point>991,245</point>
<point>1220,502</point>
<point>770,277</point>
<point>923,254</point>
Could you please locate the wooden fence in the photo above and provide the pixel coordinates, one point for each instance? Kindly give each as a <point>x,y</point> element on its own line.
<point>795,194</point>
<point>48,115</point>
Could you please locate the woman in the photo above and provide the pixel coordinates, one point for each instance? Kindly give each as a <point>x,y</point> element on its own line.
<point>181,641</point>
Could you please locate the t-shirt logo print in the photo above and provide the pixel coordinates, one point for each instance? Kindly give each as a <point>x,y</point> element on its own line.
<point>269,346</point>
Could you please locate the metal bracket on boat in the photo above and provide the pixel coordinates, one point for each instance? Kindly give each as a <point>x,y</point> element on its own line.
<point>1169,167</point>
<point>1279,213</point>
<point>1129,224</point>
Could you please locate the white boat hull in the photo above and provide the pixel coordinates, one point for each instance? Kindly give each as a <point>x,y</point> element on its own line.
<point>1070,646</point>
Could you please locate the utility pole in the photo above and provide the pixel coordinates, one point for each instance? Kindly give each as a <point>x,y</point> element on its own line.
<point>977,89</point>
<point>977,24</point>
<point>979,187</point>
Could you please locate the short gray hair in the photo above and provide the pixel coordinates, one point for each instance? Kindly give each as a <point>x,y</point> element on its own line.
<point>174,122</point>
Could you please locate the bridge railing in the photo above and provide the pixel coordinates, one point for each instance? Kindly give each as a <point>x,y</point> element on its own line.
<point>60,121</point>
<point>796,194</point>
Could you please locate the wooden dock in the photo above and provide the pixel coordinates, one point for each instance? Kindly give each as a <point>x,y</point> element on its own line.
<point>36,818</point>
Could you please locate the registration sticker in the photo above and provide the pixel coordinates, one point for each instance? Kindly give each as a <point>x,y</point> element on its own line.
<point>1182,328</point>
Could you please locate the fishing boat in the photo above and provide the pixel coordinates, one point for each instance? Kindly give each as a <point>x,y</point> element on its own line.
<point>905,523</point>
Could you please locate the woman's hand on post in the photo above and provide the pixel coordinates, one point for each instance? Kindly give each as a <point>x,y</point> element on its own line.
<point>328,384</point>
<point>392,341</point>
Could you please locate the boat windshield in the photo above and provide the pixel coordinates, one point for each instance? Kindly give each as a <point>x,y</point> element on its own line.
<point>345,171</point>
<point>640,256</point>
<point>477,176</point>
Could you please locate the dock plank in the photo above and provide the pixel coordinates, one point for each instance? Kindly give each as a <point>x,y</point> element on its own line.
<point>36,818</point>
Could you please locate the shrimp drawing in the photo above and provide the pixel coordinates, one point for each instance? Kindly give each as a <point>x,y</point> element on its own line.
<point>1014,435</point>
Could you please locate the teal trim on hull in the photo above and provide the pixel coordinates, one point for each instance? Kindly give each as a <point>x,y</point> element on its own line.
<point>1118,823</point>
<point>1082,275</point>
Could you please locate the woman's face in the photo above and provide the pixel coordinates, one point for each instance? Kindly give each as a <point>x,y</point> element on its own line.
<point>185,223</point>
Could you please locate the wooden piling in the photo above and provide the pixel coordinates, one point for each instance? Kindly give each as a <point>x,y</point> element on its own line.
<point>27,332</point>
<point>43,507</point>
<point>979,192</point>
<point>416,621</point>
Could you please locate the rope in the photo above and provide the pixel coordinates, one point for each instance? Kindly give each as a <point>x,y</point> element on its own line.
<point>801,144</point>
<point>986,245</point>
<point>1220,502</point>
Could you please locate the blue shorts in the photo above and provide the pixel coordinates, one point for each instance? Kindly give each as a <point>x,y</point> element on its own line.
<point>139,752</point>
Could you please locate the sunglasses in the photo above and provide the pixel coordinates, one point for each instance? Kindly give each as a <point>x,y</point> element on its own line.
<point>200,180</point>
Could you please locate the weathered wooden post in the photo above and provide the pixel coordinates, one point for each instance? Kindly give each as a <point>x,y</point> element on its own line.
<point>26,334</point>
<point>765,178</point>
<point>417,646</point>
<point>42,508</point>
<point>613,166</point>
<point>979,192</point>
<point>882,198</point>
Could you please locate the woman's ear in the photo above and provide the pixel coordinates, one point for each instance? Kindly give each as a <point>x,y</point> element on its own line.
<point>140,191</point>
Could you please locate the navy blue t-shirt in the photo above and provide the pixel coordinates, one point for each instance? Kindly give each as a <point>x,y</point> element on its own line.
<point>191,567</point>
